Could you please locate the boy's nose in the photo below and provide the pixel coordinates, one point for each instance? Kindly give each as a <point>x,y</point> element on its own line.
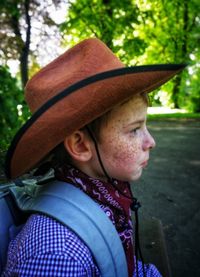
<point>149,141</point>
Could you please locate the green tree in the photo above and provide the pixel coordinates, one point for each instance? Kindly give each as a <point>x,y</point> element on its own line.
<point>19,21</point>
<point>171,30</point>
<point>13,111</point>
<point>110,20</point>
<point>26,28</point>
<point>143,32</point>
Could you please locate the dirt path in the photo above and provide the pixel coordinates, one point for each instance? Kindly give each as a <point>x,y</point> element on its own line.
<point>170,190</point>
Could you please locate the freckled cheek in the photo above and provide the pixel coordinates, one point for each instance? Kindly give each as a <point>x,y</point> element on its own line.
<point>126,154</point>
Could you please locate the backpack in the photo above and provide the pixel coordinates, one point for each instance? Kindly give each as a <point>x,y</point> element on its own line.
<point>75,210</point>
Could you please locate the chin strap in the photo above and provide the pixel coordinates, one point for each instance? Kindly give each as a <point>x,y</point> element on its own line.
<point>98,154</point>
<point>134,207</point>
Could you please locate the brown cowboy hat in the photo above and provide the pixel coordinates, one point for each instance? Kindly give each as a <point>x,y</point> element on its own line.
<point>74,89</point>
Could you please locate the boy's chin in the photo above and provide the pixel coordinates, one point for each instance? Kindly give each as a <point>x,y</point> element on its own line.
<point>135,177</point>
<point>131,178</point>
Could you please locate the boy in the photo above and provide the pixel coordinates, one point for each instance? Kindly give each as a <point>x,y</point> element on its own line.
<point>89,122</point>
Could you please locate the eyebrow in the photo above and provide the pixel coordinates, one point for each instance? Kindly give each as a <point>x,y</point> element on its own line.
<point>136,122</point>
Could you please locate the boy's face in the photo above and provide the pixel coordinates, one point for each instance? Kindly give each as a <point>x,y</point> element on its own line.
<point>125,141</point>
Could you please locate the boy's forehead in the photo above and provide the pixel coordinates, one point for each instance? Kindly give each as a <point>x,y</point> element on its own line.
<point>133,110</point>
<point>134,106</point>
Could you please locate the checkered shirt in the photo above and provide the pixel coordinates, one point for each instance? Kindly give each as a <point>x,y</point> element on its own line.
<point>45,247</point>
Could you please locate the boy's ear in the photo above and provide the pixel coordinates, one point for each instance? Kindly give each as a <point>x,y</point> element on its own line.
<point>78,146</point>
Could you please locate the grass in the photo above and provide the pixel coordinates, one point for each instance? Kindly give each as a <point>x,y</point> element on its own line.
<point>175,116</point>
<point>166,113</point>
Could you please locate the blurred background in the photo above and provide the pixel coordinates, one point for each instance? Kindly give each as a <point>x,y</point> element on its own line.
<point>34,32</point>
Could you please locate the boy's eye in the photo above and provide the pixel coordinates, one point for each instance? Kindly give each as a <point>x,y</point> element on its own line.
<point>135,130</point>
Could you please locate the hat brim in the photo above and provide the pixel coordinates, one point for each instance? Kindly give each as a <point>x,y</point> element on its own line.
<point>76,106</point>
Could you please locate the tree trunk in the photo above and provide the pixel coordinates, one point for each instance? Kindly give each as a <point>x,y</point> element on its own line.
<point>26,46</point>
<point>175,92</point>
<point>185,29</point>
<point>107,38</point>
<point>23,47</point>
<point>184,53</point>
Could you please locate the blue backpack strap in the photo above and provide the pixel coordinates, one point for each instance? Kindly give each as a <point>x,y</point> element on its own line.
<point>73,208</point>
<point>6,222</point>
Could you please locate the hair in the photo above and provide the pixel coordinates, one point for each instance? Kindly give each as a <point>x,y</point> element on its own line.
<point>59,155</point>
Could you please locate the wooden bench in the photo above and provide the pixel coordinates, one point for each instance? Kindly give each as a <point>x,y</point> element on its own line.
<point>153,244</point>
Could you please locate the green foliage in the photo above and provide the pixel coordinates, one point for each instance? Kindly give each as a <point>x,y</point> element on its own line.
<point>13,109</point>
<point>145,32</point>
<point>11,40</point>
<point>171,31</point>
<point>192,91</point>
<point>110,20</point>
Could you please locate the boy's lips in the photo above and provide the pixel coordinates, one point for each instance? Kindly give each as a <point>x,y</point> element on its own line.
<point>144,164</point>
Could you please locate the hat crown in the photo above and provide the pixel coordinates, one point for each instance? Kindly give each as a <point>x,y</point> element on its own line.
<point>87,58</point>
<point>90,99</point>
